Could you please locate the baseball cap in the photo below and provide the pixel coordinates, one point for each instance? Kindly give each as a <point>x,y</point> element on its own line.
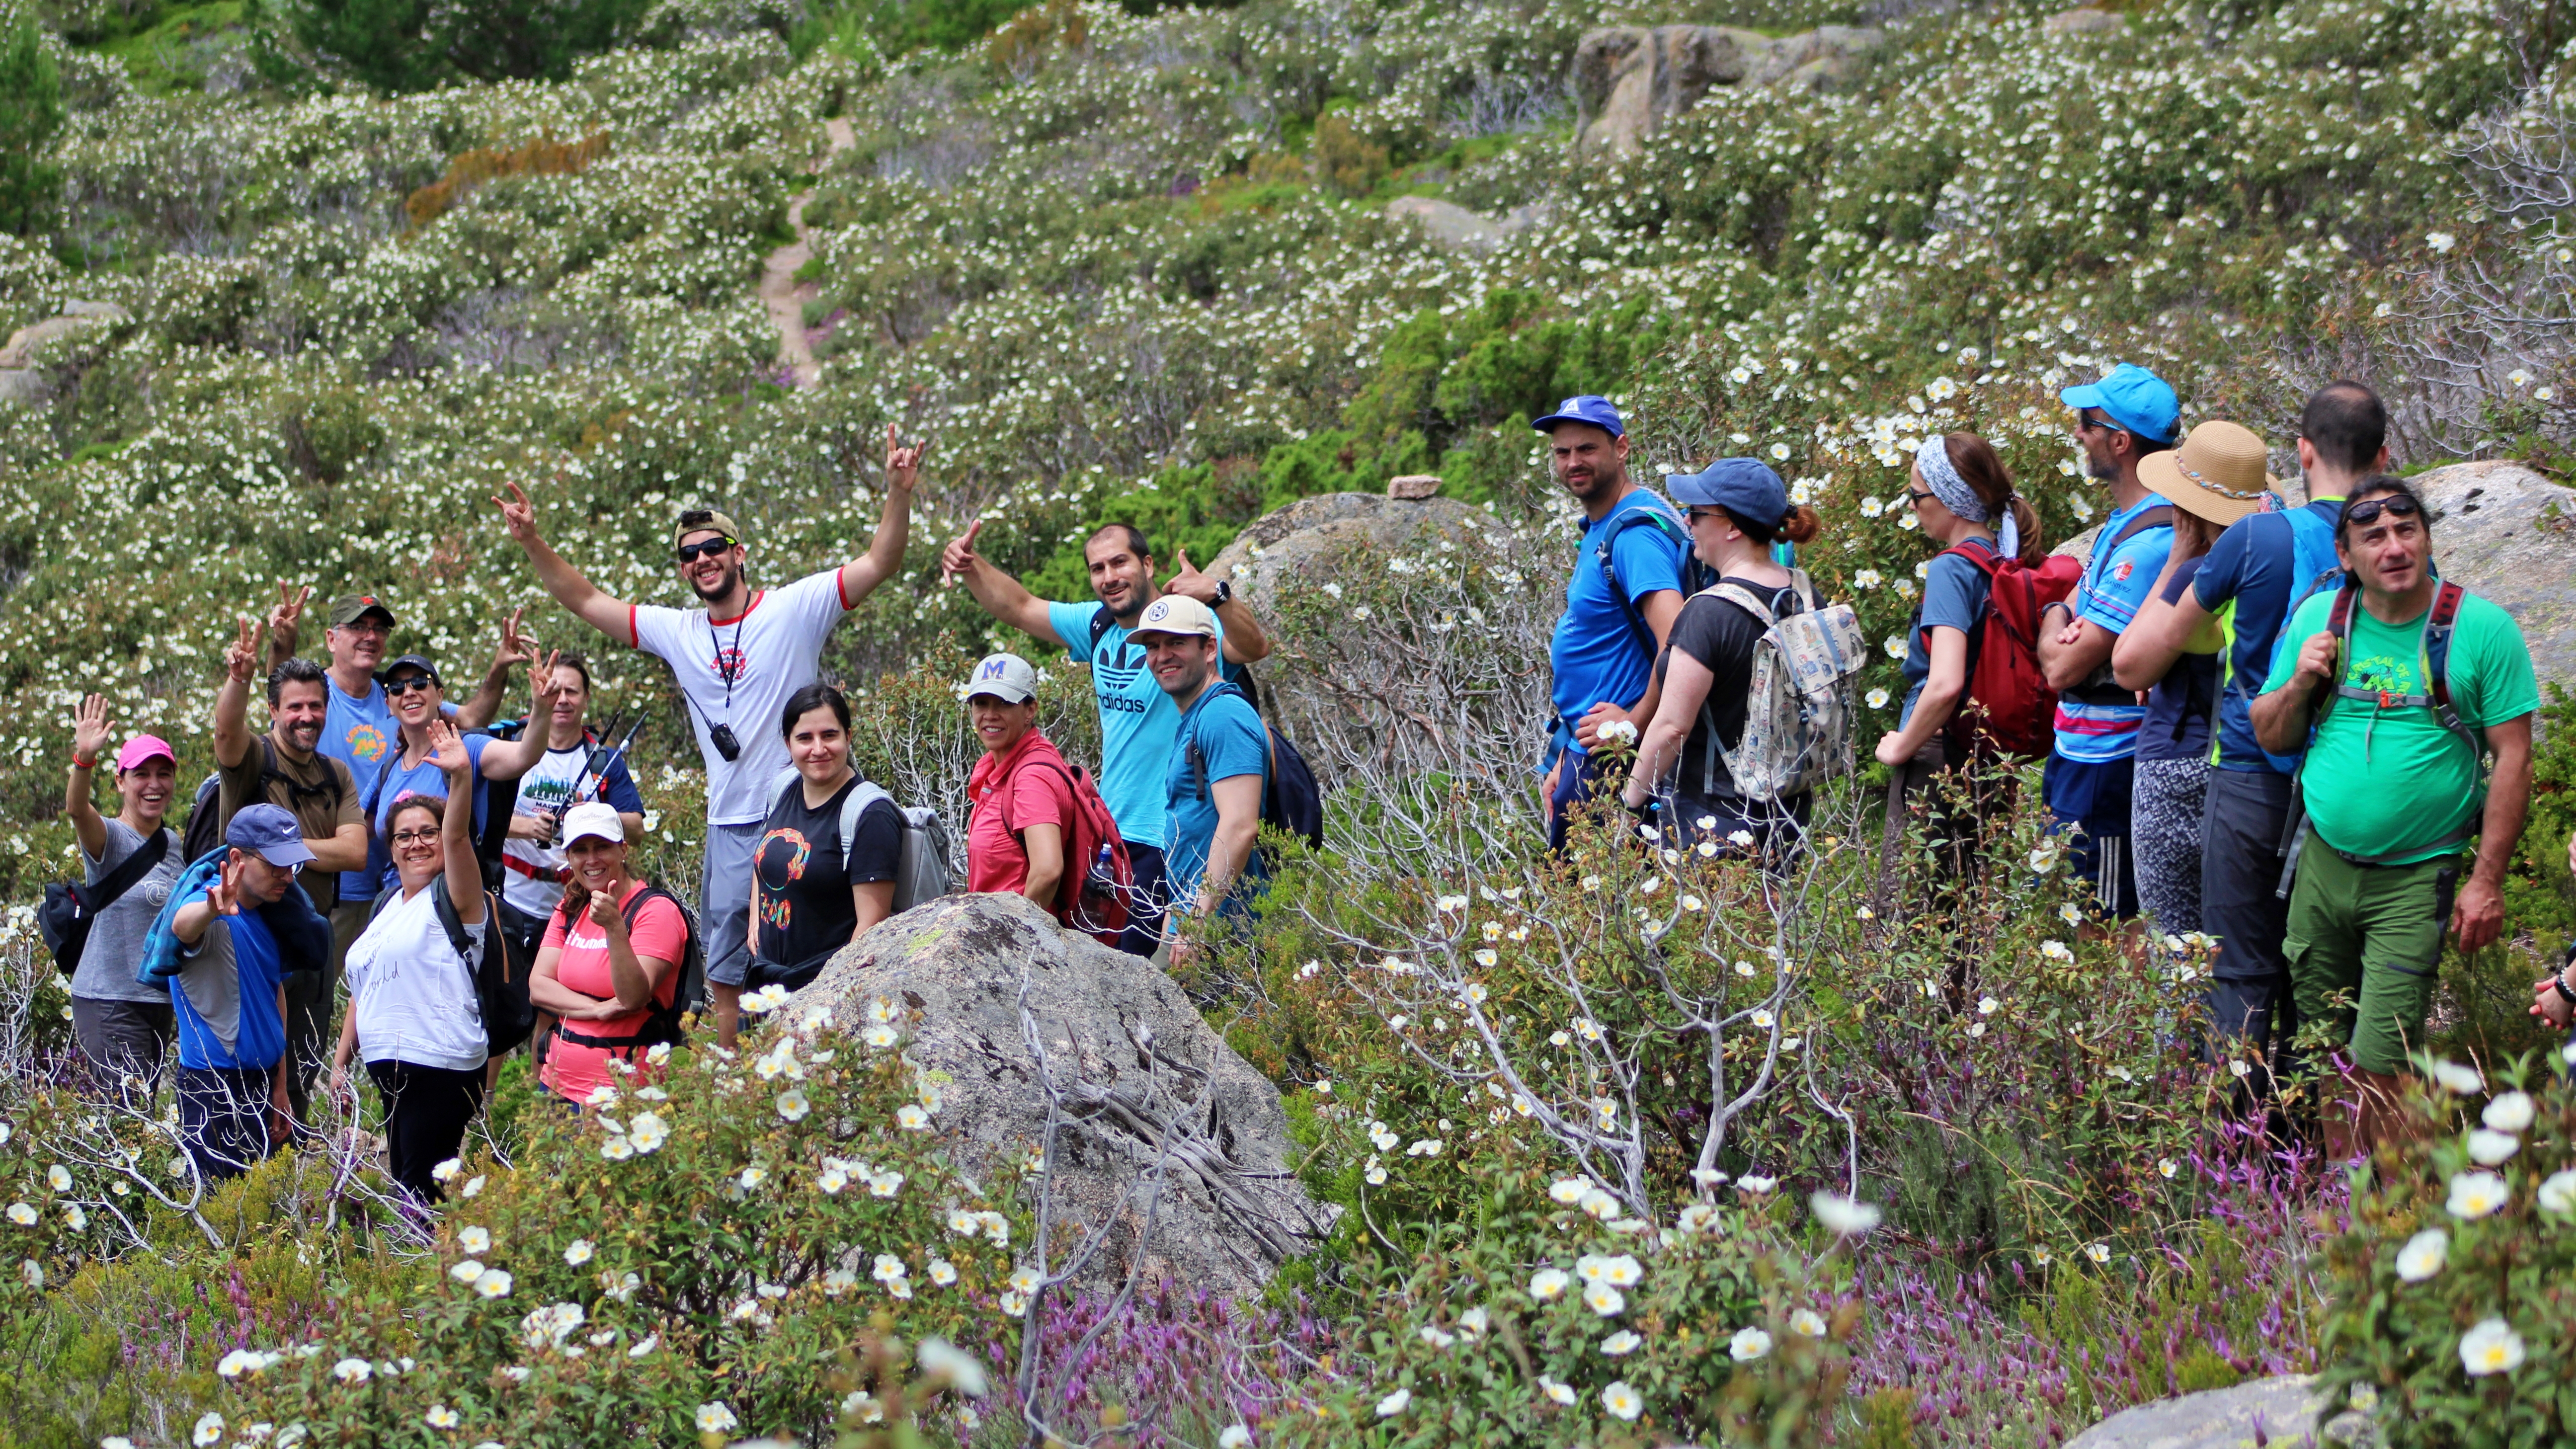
<point>412,661</point>
<point>596,819</point>
<point>268,832</point>
<point>1006,677</point>
<point>1589,409</point>
<point>1745,487</point>
<point>1176,614</point>
<point>141,748</point>
<point>2134,398</point>
<point>2217,473</point>
<point>699,520</point>
<point>350,608</point>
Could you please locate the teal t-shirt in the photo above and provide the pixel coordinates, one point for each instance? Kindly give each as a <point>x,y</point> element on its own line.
<point>1138,721</point>
<point>2392,782</point>
<point>1229,741</point>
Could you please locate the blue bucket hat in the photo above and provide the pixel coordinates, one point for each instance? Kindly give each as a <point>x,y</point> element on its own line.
<point>2135,399</point>
<point>1590,410</point>
<point>1745,487</point>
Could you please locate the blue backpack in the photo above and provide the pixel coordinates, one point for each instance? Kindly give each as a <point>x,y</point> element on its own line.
<point>2315,568</point>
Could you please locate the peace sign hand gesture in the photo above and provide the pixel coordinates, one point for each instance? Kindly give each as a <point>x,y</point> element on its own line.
<point>286,620</point>
<point>241,657</point>
<point>223,897</point>
<point>518,515</point>
<point>517,648</point>
<point>92,729</point>
<point>903,465</point>
<point>551,685</point>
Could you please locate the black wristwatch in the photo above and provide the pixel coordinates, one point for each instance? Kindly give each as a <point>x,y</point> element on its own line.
<point>1224,592</point>
<point>2560,981</point>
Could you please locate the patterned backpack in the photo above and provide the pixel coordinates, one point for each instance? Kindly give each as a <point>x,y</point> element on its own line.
<point>1797,714</point>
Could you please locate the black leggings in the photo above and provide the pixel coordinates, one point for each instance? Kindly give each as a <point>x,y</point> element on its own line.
<point>427,1110</point>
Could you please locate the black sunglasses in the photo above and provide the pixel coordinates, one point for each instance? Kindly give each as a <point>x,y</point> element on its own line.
<point>703,548</point>
<point>1696,514</point>
<point>2368,510</point>
<point>397,688</point>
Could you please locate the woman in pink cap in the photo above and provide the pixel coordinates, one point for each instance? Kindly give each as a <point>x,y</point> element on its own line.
<point>124,1027</point>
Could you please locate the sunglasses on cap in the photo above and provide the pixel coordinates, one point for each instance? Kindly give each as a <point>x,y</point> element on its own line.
<point>704,548</point>
<point>397,688</point>
<point>2368,510</point>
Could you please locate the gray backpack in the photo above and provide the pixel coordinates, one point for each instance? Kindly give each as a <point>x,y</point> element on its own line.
<point>921,870</point>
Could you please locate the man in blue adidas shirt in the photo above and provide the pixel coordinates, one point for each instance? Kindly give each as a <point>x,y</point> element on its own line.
<point>1602,655</point>
<point>2129,414</point>
<point>229,997</point>
<point>1219,769</point>
<point>2251,580</point>
<point>1138,721</point>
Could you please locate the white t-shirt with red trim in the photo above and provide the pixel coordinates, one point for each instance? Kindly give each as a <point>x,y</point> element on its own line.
<point>740,672</point>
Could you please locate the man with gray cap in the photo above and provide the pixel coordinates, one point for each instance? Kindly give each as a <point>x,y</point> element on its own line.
<point>228,991</point>
<point>736,659</point>
<point>1620,601</point>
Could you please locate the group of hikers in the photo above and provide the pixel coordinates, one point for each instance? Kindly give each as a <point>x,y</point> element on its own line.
<point>2210,690</point>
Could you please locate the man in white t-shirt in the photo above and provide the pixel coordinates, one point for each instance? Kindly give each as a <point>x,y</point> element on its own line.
<point>736,660</point>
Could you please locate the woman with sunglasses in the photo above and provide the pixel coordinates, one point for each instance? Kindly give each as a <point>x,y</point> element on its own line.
<point>413,690</point>
<point>414,1015</point>
<point>1737,507</point>
<point>1962,496</point>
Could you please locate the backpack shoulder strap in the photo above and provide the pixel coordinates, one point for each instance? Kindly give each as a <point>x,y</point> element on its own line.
<point>1100,622</point>
<point>453,923</point>
<point>2160,516</point>
<point>113,885</point>
<point>853,806</point>
<point>1748,601</point>
<point>2438,627</point>
<point>1653,515</point>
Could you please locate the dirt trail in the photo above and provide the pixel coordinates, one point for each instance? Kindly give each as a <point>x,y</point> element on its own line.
<point>780,292</point>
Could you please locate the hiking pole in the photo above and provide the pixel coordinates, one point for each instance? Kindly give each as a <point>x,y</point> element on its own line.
<point>1900,784</point>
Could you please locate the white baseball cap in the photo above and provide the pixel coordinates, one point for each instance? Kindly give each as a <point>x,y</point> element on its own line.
<point>594,818</point>
<point>1006,677</point>
<point>1177,614</point>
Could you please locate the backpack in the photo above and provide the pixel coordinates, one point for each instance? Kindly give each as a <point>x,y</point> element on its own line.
<point>2434,644</point>
<point>921,870</point>
<point>1797,720</point>
<point>71,908</point>
<point>2015,711</point>
<point>204,832</point>
<point>1665,519</point>
<point>500,802</point>
<point>499,977</point>
<point>2312,558</point>
<point>1098,906</point>
<point>1290,799</point>
<point>661,1023</point>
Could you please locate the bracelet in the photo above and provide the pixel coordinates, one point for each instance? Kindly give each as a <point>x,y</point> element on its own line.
<point>80,764</point>
<point>2560,981</point>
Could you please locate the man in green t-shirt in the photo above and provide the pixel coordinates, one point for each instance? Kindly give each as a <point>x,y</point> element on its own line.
<point>2393,791</point>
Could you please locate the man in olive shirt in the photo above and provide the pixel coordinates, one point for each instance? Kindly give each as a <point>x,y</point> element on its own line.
<point>284,768</point>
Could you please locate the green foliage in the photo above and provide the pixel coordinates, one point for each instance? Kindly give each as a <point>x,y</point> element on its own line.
<point>31,111</point>
<point>410,45</point>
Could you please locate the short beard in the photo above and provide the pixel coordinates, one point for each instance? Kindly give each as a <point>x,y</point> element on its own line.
<point>2100,472</point>
<point>1603,482</point>
<point>725,585</point>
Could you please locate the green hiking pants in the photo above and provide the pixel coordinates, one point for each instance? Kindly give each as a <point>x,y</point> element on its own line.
<point>2372,933</point>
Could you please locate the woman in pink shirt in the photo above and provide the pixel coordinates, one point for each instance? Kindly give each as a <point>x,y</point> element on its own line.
<point>1021,793</point>
<point>609,968</point>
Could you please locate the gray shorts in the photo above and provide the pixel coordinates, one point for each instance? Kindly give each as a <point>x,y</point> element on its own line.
<point>724,902</point>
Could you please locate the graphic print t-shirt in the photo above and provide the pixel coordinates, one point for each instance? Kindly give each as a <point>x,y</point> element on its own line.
<point>805,906</point>
<point>1138,722</point>
<point>739,672</point>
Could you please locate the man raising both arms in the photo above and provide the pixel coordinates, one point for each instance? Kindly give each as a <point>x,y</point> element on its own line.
<point>1139,722</point>
<point>736,660</point>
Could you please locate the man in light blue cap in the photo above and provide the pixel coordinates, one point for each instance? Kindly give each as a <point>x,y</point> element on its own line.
<point>2119,420</point>
<point>1620,601</point>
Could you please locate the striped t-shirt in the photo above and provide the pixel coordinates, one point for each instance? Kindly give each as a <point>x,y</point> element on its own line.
<point>2116,585</point>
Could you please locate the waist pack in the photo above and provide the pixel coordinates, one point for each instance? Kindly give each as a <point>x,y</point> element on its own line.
<point>1797,720</point>
<point>498,975</point>
<point>2008,708</point>
<point>70,908</point>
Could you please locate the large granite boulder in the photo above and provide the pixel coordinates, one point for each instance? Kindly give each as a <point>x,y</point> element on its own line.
<point>1314,539</point>
<point>21,380</point>
<point>2083,20</point>
<point>1629,79</point>
<point>2263,1411</point>
<point>2508,534</point>
<point>998,1000</point>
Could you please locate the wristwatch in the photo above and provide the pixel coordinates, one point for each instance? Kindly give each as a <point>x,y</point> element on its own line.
<point>2560,981</point>
<point>1224,592</point>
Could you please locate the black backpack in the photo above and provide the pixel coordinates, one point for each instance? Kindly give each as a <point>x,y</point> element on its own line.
<point>71,908</point>
<point>500,977</point>
<point>663,1025</point>
<point>205,831</point>
<point>1290,799</point>
<point>500,799</point>
<point>1663,518</point>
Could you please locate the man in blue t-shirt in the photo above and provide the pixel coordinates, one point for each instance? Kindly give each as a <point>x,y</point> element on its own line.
<point>1219,768</point>
<point>229,997</point>
<point>1138,721</point>
<point>2250,583</point>
<point>2119,420</point>
<point>1602,656</point>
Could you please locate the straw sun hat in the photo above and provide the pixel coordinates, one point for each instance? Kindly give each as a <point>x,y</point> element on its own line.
<point>2216,473</point>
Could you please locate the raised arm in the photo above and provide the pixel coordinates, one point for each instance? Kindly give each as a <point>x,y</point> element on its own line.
<point>584,599</point>
<point>456,821</point>
<point>485,703</point>
<point>509,759</point>
<point>1244,641</point>
<point>884,558</point>
<point>1003,597</point>
<point>232,702</point>
<point>91,732</point>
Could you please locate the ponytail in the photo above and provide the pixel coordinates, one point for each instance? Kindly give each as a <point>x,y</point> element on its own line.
<point>2026,522</point>
<point>1800,524</point>
<point>1982,469</point>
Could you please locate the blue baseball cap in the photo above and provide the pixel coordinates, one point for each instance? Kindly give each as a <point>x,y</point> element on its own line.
<point>1590,410</point>
<point>270,833</point>
<point>1745,487</point>
<point>2134,398</point>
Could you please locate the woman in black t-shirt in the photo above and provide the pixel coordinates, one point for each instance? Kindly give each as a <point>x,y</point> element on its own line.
<point>811,894</point>
<point>1737,507</point>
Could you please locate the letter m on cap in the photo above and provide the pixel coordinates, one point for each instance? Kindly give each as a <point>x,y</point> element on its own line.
<point>992,669</point>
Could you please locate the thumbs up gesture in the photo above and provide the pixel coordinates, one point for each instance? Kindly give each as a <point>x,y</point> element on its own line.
<point>1191,582</point>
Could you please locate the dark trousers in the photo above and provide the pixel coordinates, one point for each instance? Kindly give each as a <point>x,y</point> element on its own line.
<point>1575,782</point>
<point>2250,1005</point>
<point>427,1110</point>
<point>1145,908</point>
<point>2092,797</point>
<point>223,1119</point>
<point>123,1043</point>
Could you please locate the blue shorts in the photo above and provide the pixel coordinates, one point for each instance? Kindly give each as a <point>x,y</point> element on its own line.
<point>2093,797</point>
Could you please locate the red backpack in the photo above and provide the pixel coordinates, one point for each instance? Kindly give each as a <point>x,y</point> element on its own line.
<point>2016,711</point>
<point>1095,855</point>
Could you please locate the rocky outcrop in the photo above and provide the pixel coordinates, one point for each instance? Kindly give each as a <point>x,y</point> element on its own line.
<point>997,999</point>
<point>1452,225</point>
<point>2507,534</point>
<point>2264,1411</point>
<point>1629,80</point>
<point>20,379</point>
<point>2083,20</point>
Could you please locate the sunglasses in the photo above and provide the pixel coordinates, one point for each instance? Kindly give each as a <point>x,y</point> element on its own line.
<point>1696,514</point>
<point>1914,497</point>
<point>397,688</point>
<point>703,548</point>
<point>2368,511</point>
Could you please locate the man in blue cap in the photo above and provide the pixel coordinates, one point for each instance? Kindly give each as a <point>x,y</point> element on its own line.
<point>2120,420</point>
<point>229,995</point>
<point>1620,601</point>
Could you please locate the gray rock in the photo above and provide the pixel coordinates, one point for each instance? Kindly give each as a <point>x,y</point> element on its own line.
<point>21,385</point>
<point>1413,487</point>
<point>2083,20</point>
<point>2284,1409</point>
<point>1447,222</point>
<point>1129,1054</point>
<point>1629,80</point>
<point>2508,534</point>
<point>20,352</point>
<point>1313,538</point>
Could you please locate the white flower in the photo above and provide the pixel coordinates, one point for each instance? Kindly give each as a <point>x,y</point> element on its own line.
<point>889,1267</point>
<point>715,1418</point>
<point>838,1282</point>
<point>648,1131</point>
<point>1548,1284</point>
<point>617,1149</point>
<point>2492,1347</point>
<point>644,1346</point>
<point>353,1371</point>
<point>476,1241</point>
<point>752,1177</point>
<point>1394,1403</point>
<point>767,999</point>
<point>1877,699</point>
<point>473,1185</point>
<point>996,1227</point>
<point>1383,1137</point>
<point>1605,1300</point>
<point>209,1430</point>
<point>942,1272</point>
<point>23,1215</point>
<point>884,1184</point>
<point>1748,1344</point>
<point>1621,1344</point>
<point>1622,1401</point>
<point>2043,859</point>
<point>2511,1112</point>
<point>1568,1190</point>
<point>1762,1020</point>
<point>1235,1437</point>
<point>1025,1280</point>
<point>2055,951</point>
<point>963,1222</point>
<point>1697,1217</point>
<point>1619,1272</point>
<point>1436,1336</point>
<point>1474,1322</point>
<point>442,1417</point>
<point>2443,241</point>
<point>1599,1204</point>
<point>59,1178</point>
<point>2040,1255</point>
<point>2098,1252</point>
<point>576,1252</point>
<point>2489,1149</point>
<point>792,1104</point>
<point>1894,645</point>
<point>2476,1194</point>
<point>1806,1323</point>
<point>2558,1191</point>
<point>2458,1080</point>
<point>493,1284</point>
<point>1752,1183</point>
<point>2167,1166</point>
<point>1988,1006</point>
<point>2423,1255</point>
<point>1014,1304</point>
<point>1560,1393</point>
<point>466,1271</point>
<point>243,1361</point>
<point>911,1118</point>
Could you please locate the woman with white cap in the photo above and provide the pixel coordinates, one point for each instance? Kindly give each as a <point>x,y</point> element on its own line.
<point>1737,508</point>
<point>609,970</point>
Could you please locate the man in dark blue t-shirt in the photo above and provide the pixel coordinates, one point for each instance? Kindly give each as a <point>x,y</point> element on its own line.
<point>229,997</point>
<point>2252,578</point>
<point>1603,653</point>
